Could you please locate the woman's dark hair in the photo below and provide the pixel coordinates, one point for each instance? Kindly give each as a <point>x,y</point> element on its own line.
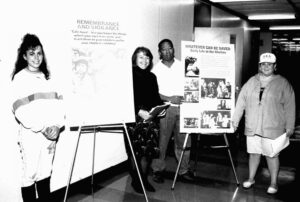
<point>147,52</point>
<point>30,41</point>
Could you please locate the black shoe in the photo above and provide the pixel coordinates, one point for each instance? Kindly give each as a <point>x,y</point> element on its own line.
<point>149,187</point>
<point>187,177</point>
<point>137,187</point>
<point>158,177</point>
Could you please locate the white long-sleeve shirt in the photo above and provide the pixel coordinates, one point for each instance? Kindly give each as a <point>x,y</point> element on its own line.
<point>36,102</point>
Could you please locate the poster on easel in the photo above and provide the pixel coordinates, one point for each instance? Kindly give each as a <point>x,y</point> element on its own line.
<point>100,70</point>
<point>209,75</point>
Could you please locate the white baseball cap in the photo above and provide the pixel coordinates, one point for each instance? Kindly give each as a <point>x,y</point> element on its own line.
<point>267,57</point>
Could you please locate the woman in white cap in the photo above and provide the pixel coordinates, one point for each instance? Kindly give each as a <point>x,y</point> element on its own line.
<point>269,104</point>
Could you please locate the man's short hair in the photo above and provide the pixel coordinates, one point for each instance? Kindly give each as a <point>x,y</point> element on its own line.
<point>165,41</point>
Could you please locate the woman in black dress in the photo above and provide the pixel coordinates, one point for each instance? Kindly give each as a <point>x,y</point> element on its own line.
<point>144,133</point>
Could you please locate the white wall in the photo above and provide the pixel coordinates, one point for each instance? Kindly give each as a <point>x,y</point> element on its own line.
<point>159,19</point>
<point>176,22</point>
<point>222,35</point>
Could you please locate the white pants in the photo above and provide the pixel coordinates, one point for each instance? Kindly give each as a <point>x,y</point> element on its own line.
<point>37,154</point>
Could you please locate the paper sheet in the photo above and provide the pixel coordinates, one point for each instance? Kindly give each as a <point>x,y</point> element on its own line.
<point>279,144</point>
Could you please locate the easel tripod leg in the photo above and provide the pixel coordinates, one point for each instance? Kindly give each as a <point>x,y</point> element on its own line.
<point>180,159</point>
<point>231,161</point>
<point>93,165</point>
<point>72,167</point>
<point>197,148</point>
<point>135,162</point>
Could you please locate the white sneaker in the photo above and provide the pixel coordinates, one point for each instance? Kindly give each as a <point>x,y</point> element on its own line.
<point>248,184</point>
<point>272,190</point>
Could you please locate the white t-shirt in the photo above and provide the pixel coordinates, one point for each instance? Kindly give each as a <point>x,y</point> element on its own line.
<point>170,79</point>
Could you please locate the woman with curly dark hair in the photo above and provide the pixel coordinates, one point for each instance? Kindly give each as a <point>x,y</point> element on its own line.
<point>38,110</point>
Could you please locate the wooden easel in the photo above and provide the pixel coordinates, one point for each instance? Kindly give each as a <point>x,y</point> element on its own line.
<point>221,146</point>
<point>95,129</point>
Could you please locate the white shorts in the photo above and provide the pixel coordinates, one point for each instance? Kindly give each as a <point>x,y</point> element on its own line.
<point>259,145</point>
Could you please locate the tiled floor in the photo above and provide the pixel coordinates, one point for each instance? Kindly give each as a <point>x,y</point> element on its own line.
<point>215,182</point>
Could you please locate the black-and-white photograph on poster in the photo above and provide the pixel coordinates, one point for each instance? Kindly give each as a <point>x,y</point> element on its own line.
<point>191,122</point>
<point>215,88</point>
<point>191,84</point>
<point>191,67</point>
<point>224,105</point>
<point>191,96</point>
<point>215,119</point>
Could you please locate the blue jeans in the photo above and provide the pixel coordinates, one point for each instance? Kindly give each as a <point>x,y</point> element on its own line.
<point>170,125</point>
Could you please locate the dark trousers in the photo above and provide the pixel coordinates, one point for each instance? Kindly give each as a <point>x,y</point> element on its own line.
<point>170,125</point>
<point>43,190</point>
